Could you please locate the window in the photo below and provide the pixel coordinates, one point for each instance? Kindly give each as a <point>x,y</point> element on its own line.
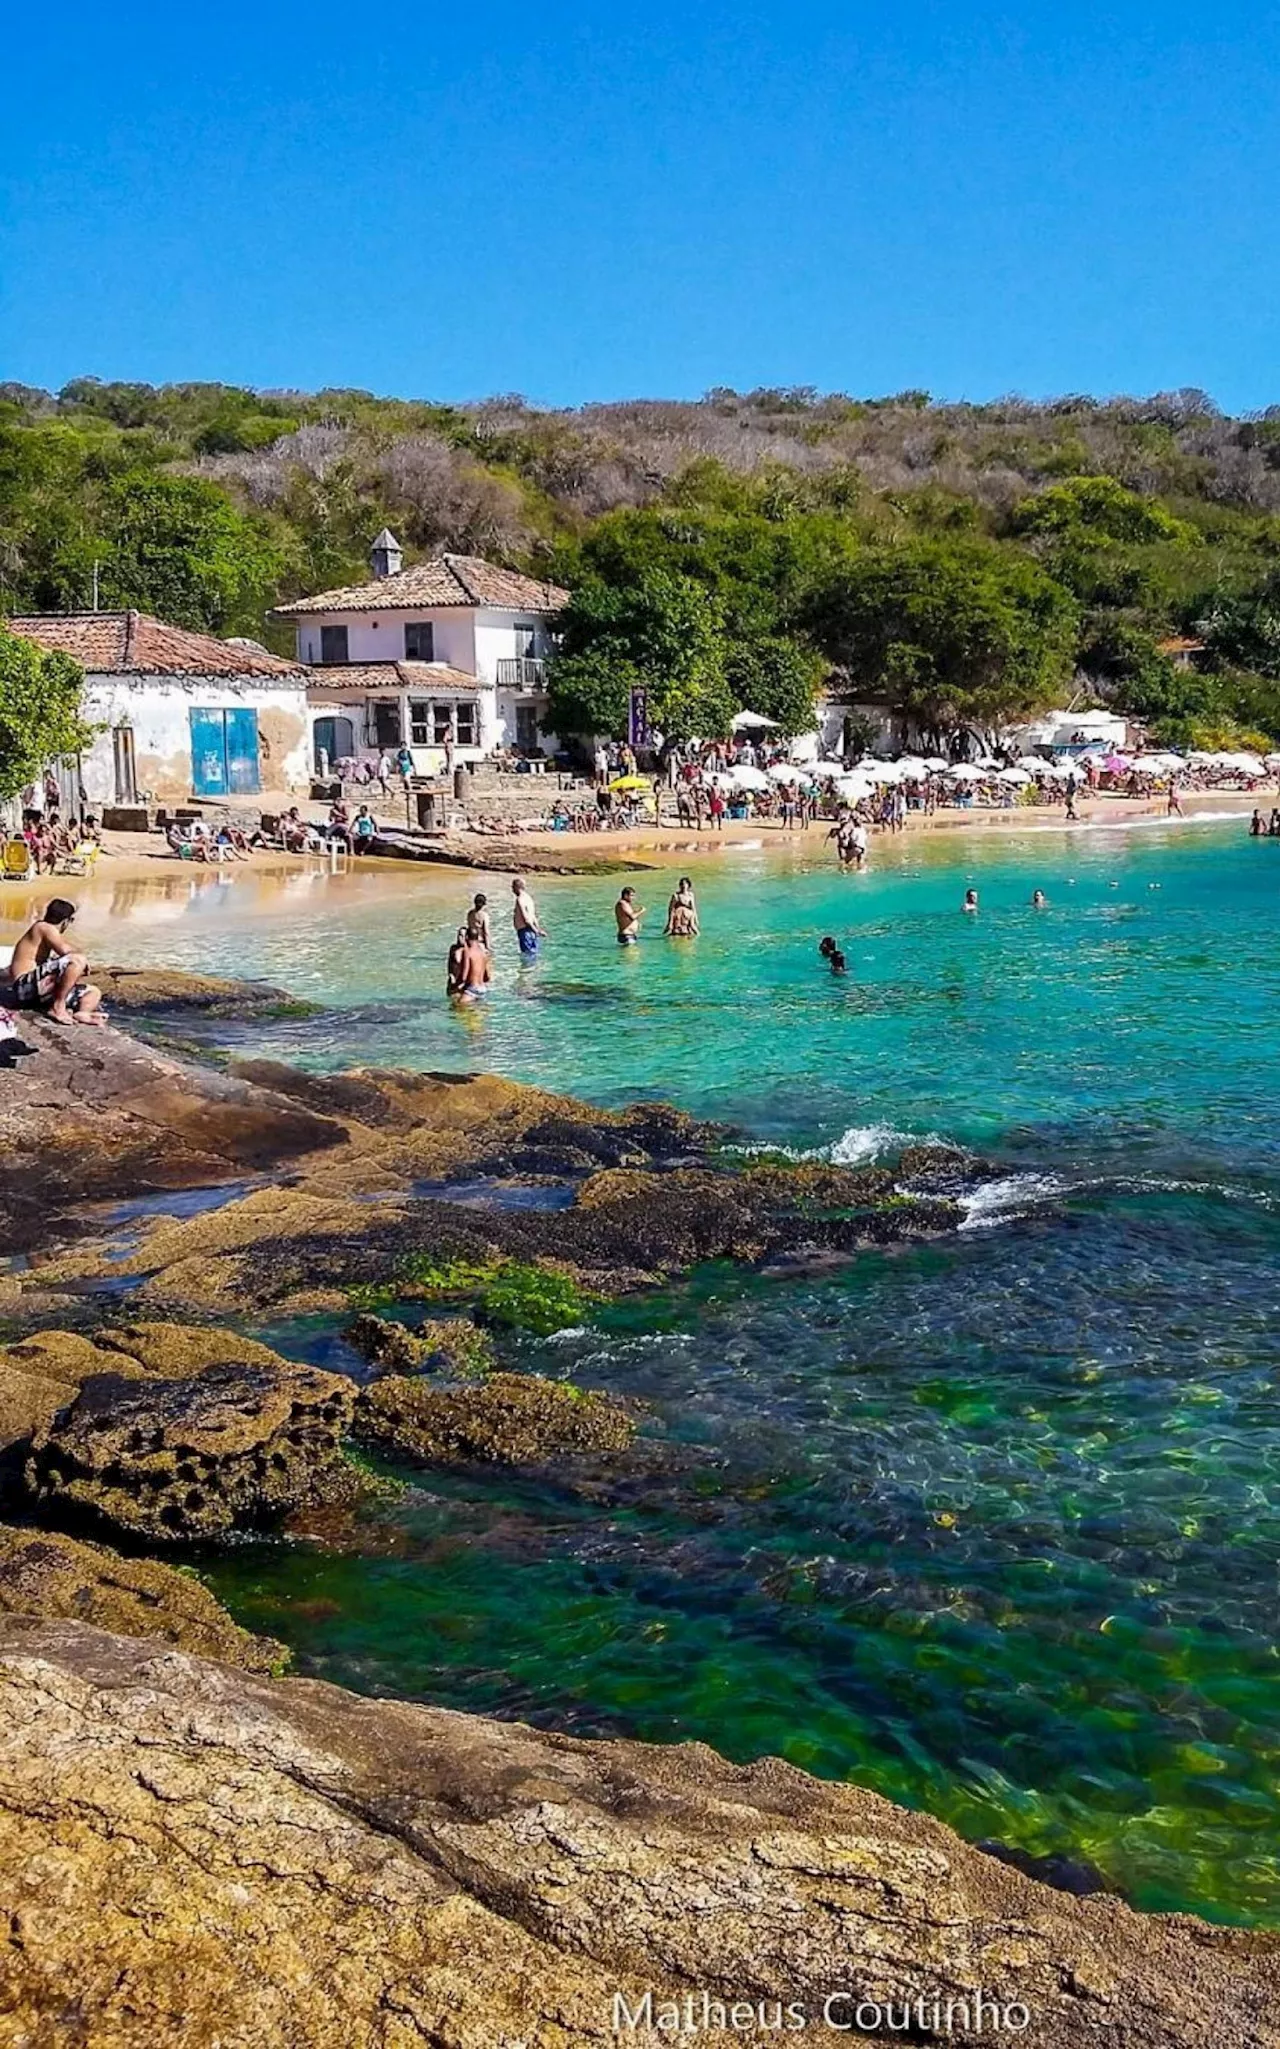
<point>333,644</point>
<point>385,722</point>
<point>431,718</point>
<point>419,641</point>
<point>523,639</point>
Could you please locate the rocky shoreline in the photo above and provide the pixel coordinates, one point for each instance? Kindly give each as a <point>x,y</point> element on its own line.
<point>135,1415</point>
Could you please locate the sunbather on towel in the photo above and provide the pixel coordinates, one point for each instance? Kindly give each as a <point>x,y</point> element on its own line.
<point>44,976</point>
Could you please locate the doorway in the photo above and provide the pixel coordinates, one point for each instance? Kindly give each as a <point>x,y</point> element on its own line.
<point>126,765</point>
<point>526,729</point>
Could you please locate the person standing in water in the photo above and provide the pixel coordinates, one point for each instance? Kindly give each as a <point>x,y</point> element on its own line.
<point>832,955</point>
<point>478,924</point>
<point>970,900</point>
<point>682,912</point>
<point>628,914</point>
<point>524,916</point>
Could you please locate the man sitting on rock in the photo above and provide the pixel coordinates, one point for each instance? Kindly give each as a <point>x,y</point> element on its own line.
<point>43,976</point>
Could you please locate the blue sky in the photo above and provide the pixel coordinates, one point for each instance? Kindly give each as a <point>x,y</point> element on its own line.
<point>588,202</point>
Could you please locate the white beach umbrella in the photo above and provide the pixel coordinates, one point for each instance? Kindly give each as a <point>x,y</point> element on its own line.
<point>744,777</point>
<point>912,765</point>
<point>788,771</point>
<point>935,764</point>
<point>1013,775</point>
<point>965,772</point>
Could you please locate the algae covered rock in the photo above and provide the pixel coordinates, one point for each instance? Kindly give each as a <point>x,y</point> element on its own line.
<point>454,1344</point>
<point>45,1573</point>
<point>174,1460</point>
<point>507,1419</point>
<point>41,1373</point>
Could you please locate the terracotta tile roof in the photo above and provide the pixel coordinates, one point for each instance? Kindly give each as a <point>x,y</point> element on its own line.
<point>446,580</point>
<point>133,644</point>
<point>1179,646</point>
<point>327,677</point>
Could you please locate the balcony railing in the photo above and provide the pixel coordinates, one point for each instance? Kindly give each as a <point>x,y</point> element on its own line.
<point>522,672</point>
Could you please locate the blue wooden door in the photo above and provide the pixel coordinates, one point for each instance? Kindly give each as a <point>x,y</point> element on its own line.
<point>208,754</point>
<point>242,752</point>
<point>224,753</point>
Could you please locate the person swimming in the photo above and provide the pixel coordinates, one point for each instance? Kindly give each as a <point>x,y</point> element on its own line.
<point>1039,900</point>
<point>832,955</point>
<point>970,900</point>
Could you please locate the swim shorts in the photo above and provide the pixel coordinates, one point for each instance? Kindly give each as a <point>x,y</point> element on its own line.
<point>528,940</point>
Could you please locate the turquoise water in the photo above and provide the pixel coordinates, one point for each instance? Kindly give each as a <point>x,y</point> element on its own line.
<point>992,1525</point>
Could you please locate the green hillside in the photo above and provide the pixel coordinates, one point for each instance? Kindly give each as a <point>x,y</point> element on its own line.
<point>959,561</point>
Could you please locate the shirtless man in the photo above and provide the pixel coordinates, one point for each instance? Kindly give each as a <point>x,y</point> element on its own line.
<point>43,976</point>
<point>628,914</point>
<point>524,916</point>
<point>478,925</point>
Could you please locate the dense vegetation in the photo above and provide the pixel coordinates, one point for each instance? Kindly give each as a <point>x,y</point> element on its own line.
<point>959,561</point>
<point>39,710</point>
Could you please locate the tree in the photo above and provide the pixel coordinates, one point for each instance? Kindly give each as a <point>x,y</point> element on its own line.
<point>1245,629</point>
<point>663,634</point>
<point>1100,509</point>
<point>950,637</point>
<point>39,710</point>
<point>176,546</point>
<point>777,677</point>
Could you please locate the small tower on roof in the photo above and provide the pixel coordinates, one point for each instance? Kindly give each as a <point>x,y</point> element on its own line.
<point>386,556</point>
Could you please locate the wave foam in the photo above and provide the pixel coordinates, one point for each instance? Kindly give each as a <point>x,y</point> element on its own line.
<point>999,1202</point>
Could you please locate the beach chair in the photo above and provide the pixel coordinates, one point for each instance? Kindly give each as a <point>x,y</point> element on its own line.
<point>82,859</point>
<point>17,863</point>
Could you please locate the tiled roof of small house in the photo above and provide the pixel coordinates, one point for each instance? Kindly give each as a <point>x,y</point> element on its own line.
<point>446,580</point>
<point>134,644</point>
<point>326,678</point>
<point>1178,644</point>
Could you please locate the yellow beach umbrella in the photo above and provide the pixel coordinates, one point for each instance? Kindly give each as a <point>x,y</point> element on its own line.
<point>631,782</point>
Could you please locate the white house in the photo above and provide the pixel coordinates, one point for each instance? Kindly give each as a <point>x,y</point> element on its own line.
<point>179,715</point>
<point>454,646</point>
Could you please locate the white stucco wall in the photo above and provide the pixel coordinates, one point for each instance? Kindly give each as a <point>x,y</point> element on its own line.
<point>158,708</point>
<point>379,636</point>
<point>495,634</point>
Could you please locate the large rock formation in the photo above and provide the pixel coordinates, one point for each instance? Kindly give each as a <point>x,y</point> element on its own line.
<point>174,1460</point>
<point>192,1856</point>
<point>95,1116</point>
<point>45,1573</point>
<point>43,1372</point>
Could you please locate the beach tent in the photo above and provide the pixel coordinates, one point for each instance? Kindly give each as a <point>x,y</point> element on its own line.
<point>753,722</point>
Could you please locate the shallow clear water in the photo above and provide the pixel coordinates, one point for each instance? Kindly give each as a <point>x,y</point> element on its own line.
<point>991,1525</point>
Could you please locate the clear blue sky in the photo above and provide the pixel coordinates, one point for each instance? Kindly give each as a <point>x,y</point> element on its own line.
<point>584,202</point>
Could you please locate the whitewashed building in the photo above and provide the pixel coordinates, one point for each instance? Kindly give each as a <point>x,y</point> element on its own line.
<point>454,647</point>
<point>178,715</point>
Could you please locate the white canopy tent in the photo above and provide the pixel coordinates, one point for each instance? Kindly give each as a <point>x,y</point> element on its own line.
<point>753,722</point>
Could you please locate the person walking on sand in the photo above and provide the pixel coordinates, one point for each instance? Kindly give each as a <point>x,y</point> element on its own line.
<point>524,916</point>
<point>628,914</point>
<point>682,912</point>
<point>43,976</point>
<point>1174,807</point>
